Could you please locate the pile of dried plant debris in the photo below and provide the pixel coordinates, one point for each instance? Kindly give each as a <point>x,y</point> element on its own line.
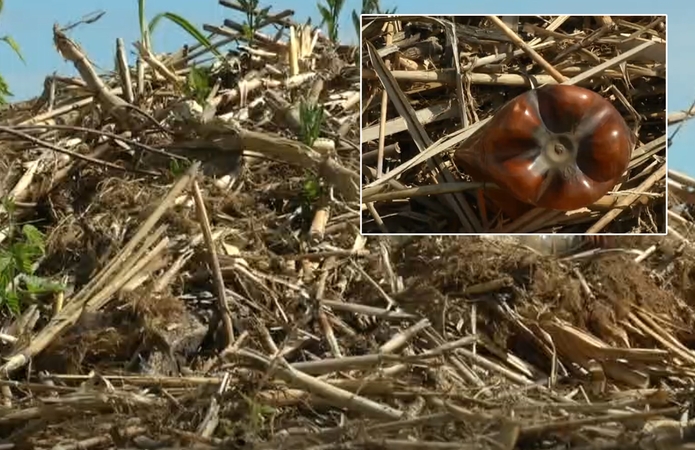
<point>449,77</point>
<point>191,283</point>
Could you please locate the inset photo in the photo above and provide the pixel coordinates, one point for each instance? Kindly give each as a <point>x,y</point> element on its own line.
<point>513,124</point>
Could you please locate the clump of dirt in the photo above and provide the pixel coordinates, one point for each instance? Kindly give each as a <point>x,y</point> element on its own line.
<point>437,271</point>
<point>141,329</point>
<point>81,240</point>
<point>99,340</point>
<point>456,263</point>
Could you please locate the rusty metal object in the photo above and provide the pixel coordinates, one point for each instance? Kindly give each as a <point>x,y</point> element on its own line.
<point>559,147</point>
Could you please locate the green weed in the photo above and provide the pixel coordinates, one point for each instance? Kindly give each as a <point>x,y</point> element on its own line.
<point>311,190</point>
<point>311,120</point>
<point>258,414</point>
<point>330,15</point>
<point>178,167</point>
<point>255,18</point>
<point>146,30</point>
<point>7,39</point>
<point>18,263</point>
<point>198,84</point>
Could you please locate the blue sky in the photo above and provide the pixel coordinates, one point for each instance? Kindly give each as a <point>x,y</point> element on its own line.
<point>30,23</point>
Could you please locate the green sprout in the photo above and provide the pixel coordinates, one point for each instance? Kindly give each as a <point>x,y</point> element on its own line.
<point>311,119</point>
<point>258,413</point>
<point>7,39</point>
<point>198,84</point>
<point>178,167</point>
<point>255,18</point>
<point>146,30</point>
<point>330,14</point>
<point>18,264</point>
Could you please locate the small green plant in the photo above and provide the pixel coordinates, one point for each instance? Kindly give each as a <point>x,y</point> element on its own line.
<point>178,167</point>
<point>198,84</point>
<point>18,263</point>
<point>311,120</point>
<point>4,91</point>
<point>146,30</point>
<point>7,39</point>
<point>255,18</point>
<point>311,190</point>
<point>258,413</point>
<point>330,15</point>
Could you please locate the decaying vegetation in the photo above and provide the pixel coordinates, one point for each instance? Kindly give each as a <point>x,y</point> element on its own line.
<point>453,76</point>
<point>188,272</point>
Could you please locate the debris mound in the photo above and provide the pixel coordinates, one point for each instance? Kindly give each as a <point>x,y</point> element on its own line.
<point>184,269</point>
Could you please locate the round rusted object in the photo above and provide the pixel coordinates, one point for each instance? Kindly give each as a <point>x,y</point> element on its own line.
<point>559,147</point>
